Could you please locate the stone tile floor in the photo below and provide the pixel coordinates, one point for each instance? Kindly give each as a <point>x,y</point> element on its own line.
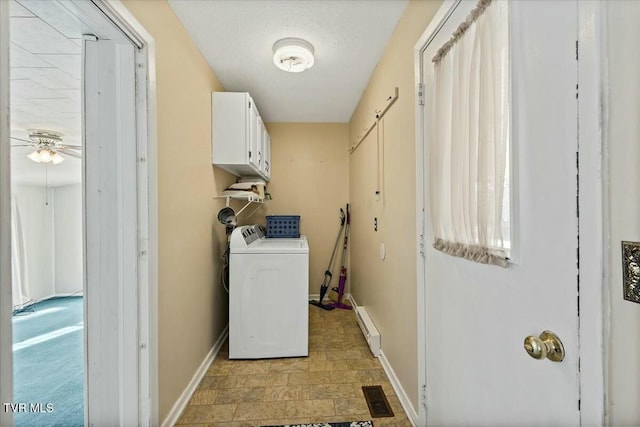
<point>324,387</point>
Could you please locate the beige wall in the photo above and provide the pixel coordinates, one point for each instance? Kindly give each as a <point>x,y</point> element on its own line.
<point>192,305</point>
<point>622,135</point>
<point>310,178</point>
<point>388,288</point>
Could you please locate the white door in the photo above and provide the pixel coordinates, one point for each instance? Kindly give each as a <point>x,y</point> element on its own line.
<point>110,198</point>
<point>477,316</point>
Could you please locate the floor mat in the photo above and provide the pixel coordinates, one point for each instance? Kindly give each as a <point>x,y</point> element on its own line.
<point>48,364</point>
<point>377,401</point>
<point>343,424</point>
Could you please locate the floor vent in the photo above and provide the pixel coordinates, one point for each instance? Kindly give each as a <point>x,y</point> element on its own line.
<point>377,401</point>
<point>369,330</point>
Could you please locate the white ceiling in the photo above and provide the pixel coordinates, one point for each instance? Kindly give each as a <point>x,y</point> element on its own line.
<point>45,69</point>
<point>236,39</point>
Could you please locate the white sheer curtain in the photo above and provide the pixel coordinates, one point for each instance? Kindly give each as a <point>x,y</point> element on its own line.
<point>470,137</point>
<point>19,272</point>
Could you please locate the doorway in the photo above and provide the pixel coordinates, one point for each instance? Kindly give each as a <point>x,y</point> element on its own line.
<point>46,217</point>
<point>118,361</point>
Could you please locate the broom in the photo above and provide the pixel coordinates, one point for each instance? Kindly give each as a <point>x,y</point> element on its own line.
<point>327,274</point>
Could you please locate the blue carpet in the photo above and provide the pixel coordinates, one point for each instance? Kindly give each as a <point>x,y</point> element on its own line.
<point>48,363</point>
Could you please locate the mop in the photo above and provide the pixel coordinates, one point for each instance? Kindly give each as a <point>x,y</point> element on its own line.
<point>327,274</point>
<point>336,294</point>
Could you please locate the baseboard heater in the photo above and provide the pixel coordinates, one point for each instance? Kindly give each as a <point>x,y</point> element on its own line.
<point>369,330</point>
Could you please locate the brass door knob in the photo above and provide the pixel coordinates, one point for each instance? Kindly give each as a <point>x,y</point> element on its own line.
<point>547,345</point>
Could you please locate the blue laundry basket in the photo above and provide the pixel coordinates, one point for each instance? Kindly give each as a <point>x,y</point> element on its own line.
<point>283,226</point>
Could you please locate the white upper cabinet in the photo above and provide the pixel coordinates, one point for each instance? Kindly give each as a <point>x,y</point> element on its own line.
<point>238,137</point>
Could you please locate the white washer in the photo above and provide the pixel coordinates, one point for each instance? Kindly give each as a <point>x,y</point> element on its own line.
<point>268,295</point>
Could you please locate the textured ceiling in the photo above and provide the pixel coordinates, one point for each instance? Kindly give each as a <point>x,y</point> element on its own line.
<point>236,39</point>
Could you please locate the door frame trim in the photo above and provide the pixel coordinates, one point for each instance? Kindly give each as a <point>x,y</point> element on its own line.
<point>147,185</point>
<point>6,356</point>
<point>592,267</point>
<point>429,33</point>
<point>592,175</point>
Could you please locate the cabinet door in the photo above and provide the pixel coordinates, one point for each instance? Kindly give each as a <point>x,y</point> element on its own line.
<point>230,131</point>
<point>260,143</point>
<point>252,123</point>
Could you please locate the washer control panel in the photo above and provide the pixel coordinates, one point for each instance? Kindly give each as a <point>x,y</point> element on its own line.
<point>248,234</point>
<point>261,231</point>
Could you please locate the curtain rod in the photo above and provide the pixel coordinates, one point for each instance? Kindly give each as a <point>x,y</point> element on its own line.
<point>462,28</point>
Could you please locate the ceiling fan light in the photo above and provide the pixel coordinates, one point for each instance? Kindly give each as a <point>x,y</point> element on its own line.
<point>35,156</point>
<point>57,158</point>
<point>44,156</point>
<point>293,55</point>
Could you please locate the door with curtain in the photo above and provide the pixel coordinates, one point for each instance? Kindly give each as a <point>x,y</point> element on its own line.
<point>477,315</point>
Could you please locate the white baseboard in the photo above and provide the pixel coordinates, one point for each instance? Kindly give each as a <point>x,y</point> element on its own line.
<point>182,401</point>
<point>59,295</point>
<point>65,294</point>
<point>352,299</point>
<point>395,383</point>
<point>397,387</point>
<point>316,297</point>
<point>52,296</point>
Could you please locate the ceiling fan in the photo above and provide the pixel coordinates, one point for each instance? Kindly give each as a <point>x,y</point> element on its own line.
<point>47,146</point>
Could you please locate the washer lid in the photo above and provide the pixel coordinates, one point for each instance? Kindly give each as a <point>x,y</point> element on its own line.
<point>275,246</point>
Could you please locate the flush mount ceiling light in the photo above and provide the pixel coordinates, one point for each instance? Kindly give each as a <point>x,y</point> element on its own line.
<point>293,55</point>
